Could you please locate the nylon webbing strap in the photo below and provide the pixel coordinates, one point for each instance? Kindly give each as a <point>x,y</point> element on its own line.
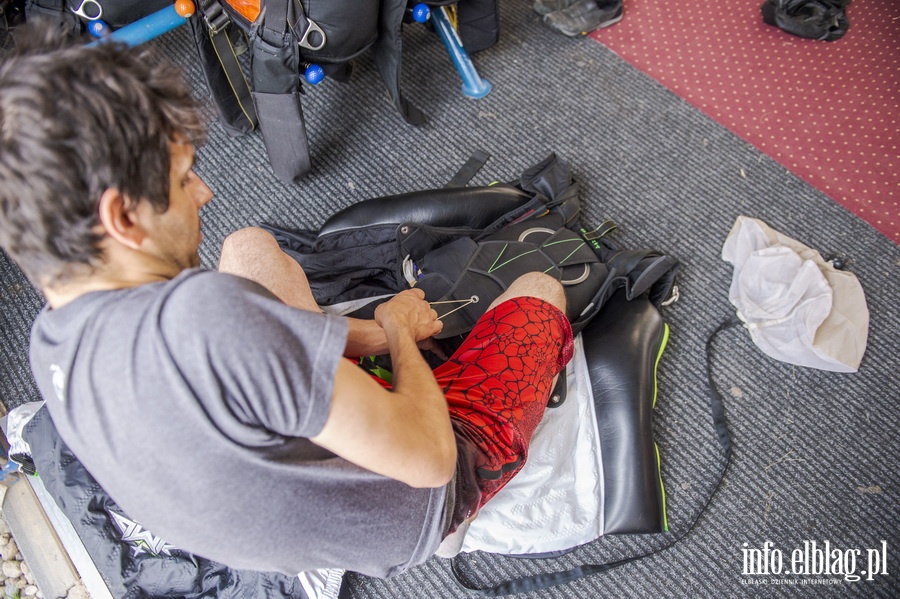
<point>275,21</point>
<point>653,272</point>
<point>468,171</point>
<point>603,229</point>
<point>537,582</point>
<point>217,22</point>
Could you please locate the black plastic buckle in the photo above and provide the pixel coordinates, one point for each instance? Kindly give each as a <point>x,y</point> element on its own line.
<point>214,16</point>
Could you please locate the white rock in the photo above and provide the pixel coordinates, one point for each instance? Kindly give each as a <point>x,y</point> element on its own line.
<point>11,569</point>
<point>78,592</point>
<point>10,551</point>
<point>20,583</point>
<point>29,577</point>
<point>25,568</point>
<point>30,591</point>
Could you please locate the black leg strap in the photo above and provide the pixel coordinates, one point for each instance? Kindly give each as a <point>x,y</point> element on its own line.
<point>468,171</point>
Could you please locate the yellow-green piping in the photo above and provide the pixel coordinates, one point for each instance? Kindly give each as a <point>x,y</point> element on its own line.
<point>662,348</point>
<point>662,490</point>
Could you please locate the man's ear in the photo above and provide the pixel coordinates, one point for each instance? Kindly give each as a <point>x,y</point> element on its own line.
<point>118,215</point>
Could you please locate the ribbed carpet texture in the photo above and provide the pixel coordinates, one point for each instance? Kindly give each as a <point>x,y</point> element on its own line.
<point>815,452</point>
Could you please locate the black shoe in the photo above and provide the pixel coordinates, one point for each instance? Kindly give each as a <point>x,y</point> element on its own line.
<point>585,16</point>
<point>545,7</point>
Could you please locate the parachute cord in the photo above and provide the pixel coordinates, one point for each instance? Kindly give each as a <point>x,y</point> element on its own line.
<point>464,302</point>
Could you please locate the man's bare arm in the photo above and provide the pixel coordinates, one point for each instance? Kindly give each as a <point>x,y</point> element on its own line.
<point>364,338</point>
<point>404,434</point>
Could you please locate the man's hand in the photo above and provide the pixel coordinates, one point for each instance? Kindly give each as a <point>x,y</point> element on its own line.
<point>406,433</point>
<point>408,311</point>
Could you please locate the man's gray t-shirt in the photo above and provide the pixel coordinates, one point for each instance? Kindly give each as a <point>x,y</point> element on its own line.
<point>191,401</point>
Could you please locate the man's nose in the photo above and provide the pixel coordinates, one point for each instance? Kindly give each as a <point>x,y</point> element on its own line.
<point>203,194</point>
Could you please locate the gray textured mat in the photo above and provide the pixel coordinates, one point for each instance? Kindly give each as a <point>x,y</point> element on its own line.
<point>815,452</point>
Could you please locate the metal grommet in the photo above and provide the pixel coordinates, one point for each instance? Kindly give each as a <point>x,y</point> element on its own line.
<point>404,230</point>
<point>555,398</point>
<point>474,299</point>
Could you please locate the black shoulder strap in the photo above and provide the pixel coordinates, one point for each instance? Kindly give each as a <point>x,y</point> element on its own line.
<point>537,582</point>
<point>276,89</point>
<point>226,79</point>
<point>387,55</point>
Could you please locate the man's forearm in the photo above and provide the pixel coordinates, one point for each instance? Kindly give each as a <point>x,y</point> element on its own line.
<point>364,338</point>
<point>412,374</point>
<point>412,377</point>
<point>404,433</point>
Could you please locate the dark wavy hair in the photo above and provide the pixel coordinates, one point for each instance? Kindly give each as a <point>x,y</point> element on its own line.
<point>76,120</point>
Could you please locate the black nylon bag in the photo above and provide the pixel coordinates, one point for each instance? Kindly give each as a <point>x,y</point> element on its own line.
<point>350,29</point>
<point>284,37</point>
<point>365,253</point>
<point>479,24</point>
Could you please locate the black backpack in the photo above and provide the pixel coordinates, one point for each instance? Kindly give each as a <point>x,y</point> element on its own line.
<point>283,37</point>
<point>281,40</point>
<point>286,37</point>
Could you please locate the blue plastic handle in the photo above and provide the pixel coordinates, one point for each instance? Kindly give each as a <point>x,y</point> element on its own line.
<point>151,26</point>
<point>473,85</point>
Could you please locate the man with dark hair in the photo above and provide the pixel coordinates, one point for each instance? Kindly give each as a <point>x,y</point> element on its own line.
<point>207,402</point>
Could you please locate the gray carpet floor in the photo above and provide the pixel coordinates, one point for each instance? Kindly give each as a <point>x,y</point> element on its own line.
<point>815,452</point>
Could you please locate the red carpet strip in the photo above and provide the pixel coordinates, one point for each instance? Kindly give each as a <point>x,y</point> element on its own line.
<point>827,111</point>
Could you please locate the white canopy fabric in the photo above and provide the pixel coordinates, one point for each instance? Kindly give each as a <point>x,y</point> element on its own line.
<point>556,501</point>
<point>798,308</point>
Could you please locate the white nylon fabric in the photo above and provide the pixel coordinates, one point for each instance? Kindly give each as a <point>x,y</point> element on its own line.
<point>322,584</point>
<point>556,501</point>
<point>798,308</point>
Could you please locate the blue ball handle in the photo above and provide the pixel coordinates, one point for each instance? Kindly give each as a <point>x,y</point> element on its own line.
<point>421,13</point>
<point>314,74</point>
<point>98,28</point>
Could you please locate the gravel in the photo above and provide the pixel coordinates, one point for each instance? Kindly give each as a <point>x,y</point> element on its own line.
<point>15,576</point>
<point>17,579</point>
